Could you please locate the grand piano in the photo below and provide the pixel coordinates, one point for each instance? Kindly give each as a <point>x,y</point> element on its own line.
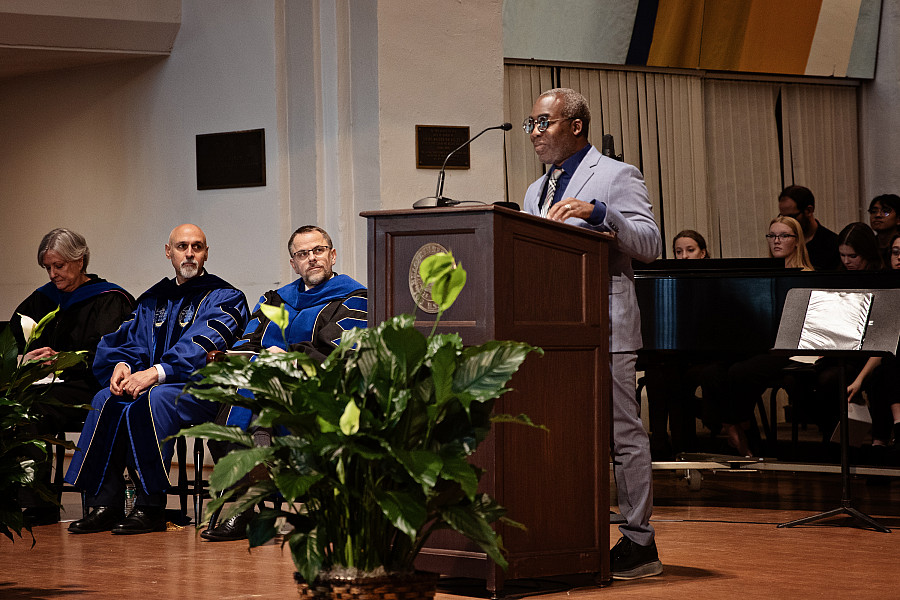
<point>722,309</point>
<point>713,306</point>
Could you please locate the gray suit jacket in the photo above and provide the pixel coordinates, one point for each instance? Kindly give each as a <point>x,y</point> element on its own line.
<point>629,215</point>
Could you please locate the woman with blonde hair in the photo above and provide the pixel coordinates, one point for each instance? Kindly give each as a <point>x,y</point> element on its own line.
<point>737,388</point>
<point>786,241</point>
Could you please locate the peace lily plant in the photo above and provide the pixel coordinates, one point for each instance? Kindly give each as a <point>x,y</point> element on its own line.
<point>19,400</point>
<point>371,446</point>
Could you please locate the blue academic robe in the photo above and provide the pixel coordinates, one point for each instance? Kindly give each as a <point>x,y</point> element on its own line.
<point>174,326</point>
<point>316,319</point>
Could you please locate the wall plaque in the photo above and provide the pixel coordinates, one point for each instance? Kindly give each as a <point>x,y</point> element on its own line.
<point>231,159</point>
<point>435,142</point>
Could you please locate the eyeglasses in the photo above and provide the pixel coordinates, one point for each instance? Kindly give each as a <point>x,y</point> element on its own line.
<point>884,212</point>
<point>781,237</point>
<point>317,252</point>
<point>542,123</point>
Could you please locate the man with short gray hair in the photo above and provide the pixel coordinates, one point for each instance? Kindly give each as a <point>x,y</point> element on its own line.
<point>586,189</point>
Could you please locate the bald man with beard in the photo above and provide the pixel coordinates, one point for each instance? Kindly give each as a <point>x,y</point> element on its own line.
<point>144,366</point>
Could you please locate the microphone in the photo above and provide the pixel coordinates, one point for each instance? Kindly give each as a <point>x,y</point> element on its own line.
<point>608,148</point>
<point>438,198</point>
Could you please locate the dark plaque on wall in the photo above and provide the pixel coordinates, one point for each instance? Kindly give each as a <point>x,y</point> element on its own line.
<point>435,142</point>
<point>231,159</point>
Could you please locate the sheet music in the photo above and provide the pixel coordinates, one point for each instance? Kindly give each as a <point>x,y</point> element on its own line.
<point>835,320</point>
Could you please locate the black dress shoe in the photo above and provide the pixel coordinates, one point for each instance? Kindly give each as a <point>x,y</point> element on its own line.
<point>628,560</point>
<point>142,519</point>
<point>101,518</point>
<point>231,529</point>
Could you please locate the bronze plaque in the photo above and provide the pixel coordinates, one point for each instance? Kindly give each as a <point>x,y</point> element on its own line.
<point>421,293</point>
<point>435,142</point>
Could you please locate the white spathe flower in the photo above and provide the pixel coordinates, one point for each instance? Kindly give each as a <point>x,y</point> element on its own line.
<point>28,325</point>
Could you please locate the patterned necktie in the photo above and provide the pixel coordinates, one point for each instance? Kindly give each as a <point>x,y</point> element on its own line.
<point>551,191</point>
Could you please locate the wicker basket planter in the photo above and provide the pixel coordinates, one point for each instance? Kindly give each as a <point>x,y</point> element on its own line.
<point>410,586</point>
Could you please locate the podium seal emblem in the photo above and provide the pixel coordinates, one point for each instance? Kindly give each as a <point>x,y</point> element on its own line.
<point>421,294</point>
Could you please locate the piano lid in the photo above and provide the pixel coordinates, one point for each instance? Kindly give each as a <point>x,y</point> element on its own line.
<point>711,310</point>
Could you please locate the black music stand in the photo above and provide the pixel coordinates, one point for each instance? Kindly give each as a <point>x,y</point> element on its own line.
<point>880,337</point>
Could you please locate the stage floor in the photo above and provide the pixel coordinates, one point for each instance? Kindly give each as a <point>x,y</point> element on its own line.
<point>717,541</point>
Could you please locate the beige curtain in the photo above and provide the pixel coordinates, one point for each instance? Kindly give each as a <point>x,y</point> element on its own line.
<point>742,165</point>
<point>523,85</point>
<point>708,149</point>
<point>821,149</point>
<point>680,145</point>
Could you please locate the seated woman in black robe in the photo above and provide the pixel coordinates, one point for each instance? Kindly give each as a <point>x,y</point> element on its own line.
<point>89,308</point>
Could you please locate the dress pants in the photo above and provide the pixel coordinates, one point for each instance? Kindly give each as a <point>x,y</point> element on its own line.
<point>630,452</point>
<point>112,491</point>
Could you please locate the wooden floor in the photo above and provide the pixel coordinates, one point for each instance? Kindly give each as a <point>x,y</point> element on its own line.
<point>718,541</point>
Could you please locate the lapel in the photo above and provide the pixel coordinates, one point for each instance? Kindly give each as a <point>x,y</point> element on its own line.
<point>583,173</point>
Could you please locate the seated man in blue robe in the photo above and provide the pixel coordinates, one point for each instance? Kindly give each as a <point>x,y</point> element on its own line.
<point>321,305</point>
<point>145,364</point>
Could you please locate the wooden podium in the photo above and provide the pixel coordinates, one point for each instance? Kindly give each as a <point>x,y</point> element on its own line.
<point>544,283</point>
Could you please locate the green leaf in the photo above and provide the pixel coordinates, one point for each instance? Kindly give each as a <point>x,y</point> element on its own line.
<point>422,465</point>
<point>486,369</point>
<point>221,433</point>
<point>404,511</point>
<point>520,419</point>
<point>324,425</point>
<point>443,366</point>
<point>293,486</point>
<point>262,528</point>
<point>350,419</point>
<point>446,278</point>
<point>307,554</point>
<point>404,349</point>
<point>469,523</point>
<point>234,465</point>
<point>39,329</point>
<point>8,354</point>
<point>436,266</point>
<point>458,469</point>
<point>445,290</point>
<point>276,314</point>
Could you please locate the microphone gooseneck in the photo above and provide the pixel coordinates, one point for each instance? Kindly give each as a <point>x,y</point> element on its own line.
<point>438,198</point>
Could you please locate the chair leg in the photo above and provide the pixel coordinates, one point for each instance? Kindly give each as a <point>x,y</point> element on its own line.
<point>59,454</point>
<point>199,489</point>
<point>214,519</point>
<point>181,451</point>
<point>764,419</point>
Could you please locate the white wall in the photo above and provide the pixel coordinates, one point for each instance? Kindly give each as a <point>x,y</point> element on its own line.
<point>338,86</point>
<point>109,151</point>
<point>440,63</point>
<point>880,114</point>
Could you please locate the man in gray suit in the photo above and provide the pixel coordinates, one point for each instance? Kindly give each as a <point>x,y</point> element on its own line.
<point>584,188</point>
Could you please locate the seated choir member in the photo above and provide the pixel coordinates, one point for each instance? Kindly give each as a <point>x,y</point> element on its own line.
<point>859,251</point>
<point>884,217</point>
<point>89,308</point>
<point>671,384</point>
<point>736,389</point>
<point>321,305</point>
<point>798,202</point>
<point>145,365</point>
<point>881,379</point>
<point>689,244</point>
<point>786,241</point>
